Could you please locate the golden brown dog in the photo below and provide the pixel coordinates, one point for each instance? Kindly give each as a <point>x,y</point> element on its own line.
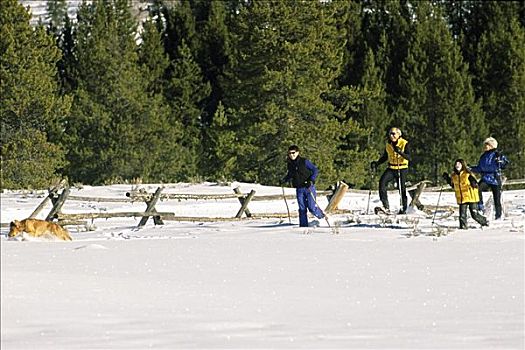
<point>38,228</point>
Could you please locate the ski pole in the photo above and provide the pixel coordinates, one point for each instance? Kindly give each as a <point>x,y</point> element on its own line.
<point>368,204</point>
<point>399,183</point>
<point>287,208</point>
<point>318,207</point>
<point>399,187</point>
<point>370,178</point>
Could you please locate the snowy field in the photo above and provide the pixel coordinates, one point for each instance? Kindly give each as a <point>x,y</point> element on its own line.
<point>263,283</point>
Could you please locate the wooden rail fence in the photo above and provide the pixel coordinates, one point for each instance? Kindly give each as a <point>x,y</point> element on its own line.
<point>58,200</point>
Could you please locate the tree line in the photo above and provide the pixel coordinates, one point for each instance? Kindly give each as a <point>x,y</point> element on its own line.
<point>218,90</point>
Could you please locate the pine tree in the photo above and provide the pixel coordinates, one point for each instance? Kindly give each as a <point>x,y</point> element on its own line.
<point>287,56</point>
<point>373,115</point>
<point>68,63</point>
<point>30,161</point>
<point>365,124</point>
<point>478,18</point>
<point>202,26</point>
<point>153,58</point>
<point>214,53</point>
<point>386,30</point>
<point>221,147</point>
<point>179,24</point>
<point>186,94</point>
<point>31,104</point>
<point>355,45</point>
<point>438,110</point>
<point>120,129</point>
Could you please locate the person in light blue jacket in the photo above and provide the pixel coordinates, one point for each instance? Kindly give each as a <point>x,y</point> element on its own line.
<point>489,167</point>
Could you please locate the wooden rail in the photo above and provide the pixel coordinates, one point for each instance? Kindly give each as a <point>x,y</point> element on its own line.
<point>59,199</point>
<point>140,197</point>
<point>126,214</point>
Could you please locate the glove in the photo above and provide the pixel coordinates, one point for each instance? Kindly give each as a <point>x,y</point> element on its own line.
<point>373,165</point>
<point>397,150</point>
<point>308,183</point>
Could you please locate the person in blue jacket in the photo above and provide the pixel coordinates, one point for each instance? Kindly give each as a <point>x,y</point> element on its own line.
<point>303,173</point>
<point>489,167</point>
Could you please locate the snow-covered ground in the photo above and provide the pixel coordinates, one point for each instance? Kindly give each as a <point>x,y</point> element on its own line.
<point>263,283</point>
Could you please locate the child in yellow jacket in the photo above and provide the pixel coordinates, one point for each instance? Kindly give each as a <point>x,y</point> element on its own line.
<point>466,188</point>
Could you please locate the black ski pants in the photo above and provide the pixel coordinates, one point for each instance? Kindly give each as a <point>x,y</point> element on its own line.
<point>480,219</point>
<point>391,175</point>
<point>496,195</point>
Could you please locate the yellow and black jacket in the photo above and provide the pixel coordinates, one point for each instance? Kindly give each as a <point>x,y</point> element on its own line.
<point>396,160</point>
<point>463,184</point>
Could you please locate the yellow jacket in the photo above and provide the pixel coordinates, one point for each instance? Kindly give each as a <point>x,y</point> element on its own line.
<point>395,160</point>
<point>465,193</point>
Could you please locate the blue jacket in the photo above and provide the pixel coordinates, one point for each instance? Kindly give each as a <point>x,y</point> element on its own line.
<point>489,167</point>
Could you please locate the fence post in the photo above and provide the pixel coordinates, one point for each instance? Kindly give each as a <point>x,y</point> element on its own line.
<point>337,197</point>
<point>245,204</point>
<point>151,208</point>
<point>416,193</point>
<point>58,204</point>
<point>242,200</point>
<point>51,195</point>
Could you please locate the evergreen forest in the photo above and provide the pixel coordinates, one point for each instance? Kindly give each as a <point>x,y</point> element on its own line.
<point>205,90</point>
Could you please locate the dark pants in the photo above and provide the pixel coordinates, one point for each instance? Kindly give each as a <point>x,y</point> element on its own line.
<point>480,219</point>
<point>496,195</point>
<point>389,176</point>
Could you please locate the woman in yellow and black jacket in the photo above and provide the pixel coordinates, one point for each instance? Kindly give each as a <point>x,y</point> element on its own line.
<point>398,155</point>
<point>466,188</point>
